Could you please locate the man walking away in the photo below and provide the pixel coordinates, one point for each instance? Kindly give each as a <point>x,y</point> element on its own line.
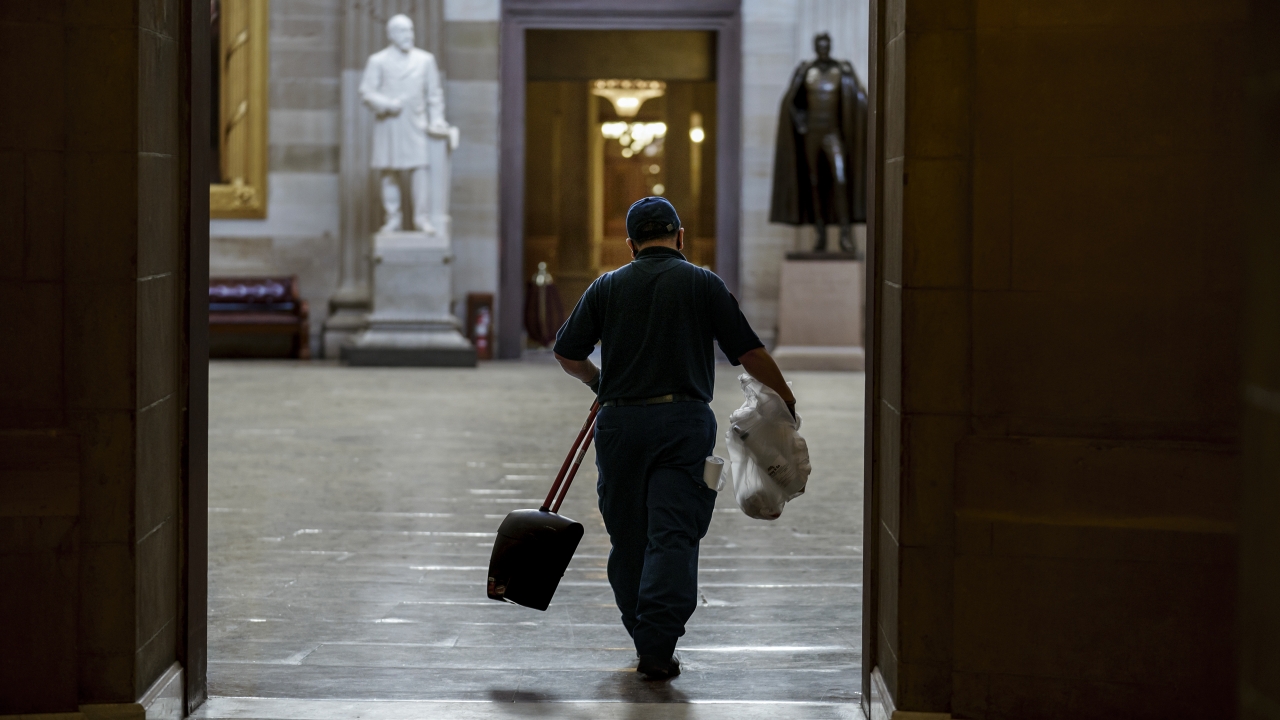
<point>655,320</point>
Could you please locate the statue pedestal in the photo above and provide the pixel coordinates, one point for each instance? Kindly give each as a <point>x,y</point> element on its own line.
<point>820,312</point>
<point>411,324</point>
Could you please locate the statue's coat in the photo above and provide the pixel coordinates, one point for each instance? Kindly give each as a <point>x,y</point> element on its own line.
<point>792,202</point>
<point>400,141</point>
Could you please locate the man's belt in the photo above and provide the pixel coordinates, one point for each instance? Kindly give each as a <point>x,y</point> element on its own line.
<point>670,398</point>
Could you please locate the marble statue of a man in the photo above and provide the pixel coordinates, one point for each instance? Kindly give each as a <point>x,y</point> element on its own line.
<point>402,86</point>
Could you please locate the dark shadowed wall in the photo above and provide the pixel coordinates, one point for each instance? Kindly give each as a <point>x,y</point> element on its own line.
<point>92,278</point>
<point>1259,629</point>
<point>1057,382</point>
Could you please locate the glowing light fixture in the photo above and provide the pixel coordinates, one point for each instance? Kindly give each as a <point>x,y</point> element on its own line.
<point>635,136</point>
<point>696,132</point>
<point>628,95</point>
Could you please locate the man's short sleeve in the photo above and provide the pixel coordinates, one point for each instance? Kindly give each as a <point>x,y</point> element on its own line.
<point>733,332</point>
<point>577,338</point>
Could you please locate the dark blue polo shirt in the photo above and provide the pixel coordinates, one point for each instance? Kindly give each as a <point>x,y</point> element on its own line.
<point>655,319</point>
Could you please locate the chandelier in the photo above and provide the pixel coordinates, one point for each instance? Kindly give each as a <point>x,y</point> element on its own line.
<point>628,95</point>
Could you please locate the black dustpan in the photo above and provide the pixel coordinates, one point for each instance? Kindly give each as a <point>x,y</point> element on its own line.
<point>534,547</point>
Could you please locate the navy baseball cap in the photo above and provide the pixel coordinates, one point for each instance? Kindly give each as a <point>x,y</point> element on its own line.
<point>652,217</point>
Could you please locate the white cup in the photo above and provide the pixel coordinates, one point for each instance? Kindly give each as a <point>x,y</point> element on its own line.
<point>711,471</point>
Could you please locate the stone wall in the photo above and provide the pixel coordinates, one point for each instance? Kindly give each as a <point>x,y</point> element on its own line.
<point>1057,357</point>
<point>300,234</point>
<point>471,49</point>
<point>1259,628</point>
<point>92,392</point>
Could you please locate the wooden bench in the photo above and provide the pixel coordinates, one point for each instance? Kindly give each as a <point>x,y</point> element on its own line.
<point>258,317</point>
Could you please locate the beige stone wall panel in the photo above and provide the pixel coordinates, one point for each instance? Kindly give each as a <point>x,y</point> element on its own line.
<point>158,93</point>
<point>158,339</point>
<point>926,586</point>
<point>891,466</point>
<point>992,255</point>
<point>305,93</point>
<point>936,92</point>
<point>927,504</point>
<point>101,86</point>
<point>935,351</point>
<point>887,620</point>
<point>1141,365</point>
<point>39,85</point>
<point>1129,14</point>
<point>936,226</point>
<point>1126,224</point>
<point>101,216</point>
<point>156,628</point>
<point>158,221</point>
<point>1105,91</point>
<point>105,624</point>
<point>33,379</point>
<point>1064,619</point>
<point>471,50</point>
<point>1187,486</point>
<point>158,462</point>
<point>100,335</point>
<point>107,457</point>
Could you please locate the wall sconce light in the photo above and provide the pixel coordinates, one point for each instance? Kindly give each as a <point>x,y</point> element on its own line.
<point>628,95</point>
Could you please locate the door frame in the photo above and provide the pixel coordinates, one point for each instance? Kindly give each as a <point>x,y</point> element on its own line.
<point>723,17</point>
<point>871,487</point>
<point>193,595</point>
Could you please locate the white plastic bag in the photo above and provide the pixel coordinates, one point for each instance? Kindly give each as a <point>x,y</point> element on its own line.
<point>769,460</point>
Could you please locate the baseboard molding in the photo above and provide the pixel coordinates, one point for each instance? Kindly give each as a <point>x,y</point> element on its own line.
<point>105,711</point>
<point>882,707</point>
<point>161,701</point>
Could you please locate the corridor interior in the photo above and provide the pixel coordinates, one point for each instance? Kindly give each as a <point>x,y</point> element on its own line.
<point>612,116</point>
<point>351,518</point>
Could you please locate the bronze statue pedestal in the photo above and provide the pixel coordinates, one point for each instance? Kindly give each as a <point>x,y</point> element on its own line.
<point>820,312</point>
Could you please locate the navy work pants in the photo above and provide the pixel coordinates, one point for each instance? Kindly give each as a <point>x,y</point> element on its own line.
<point>656,509</point>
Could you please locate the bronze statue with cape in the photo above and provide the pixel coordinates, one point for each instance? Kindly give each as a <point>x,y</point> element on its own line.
<point>819,169</point>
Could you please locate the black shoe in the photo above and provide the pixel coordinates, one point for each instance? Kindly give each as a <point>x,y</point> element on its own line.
<point>656,668</point>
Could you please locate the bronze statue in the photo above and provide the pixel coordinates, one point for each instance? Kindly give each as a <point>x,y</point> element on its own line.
<point>819,167</point>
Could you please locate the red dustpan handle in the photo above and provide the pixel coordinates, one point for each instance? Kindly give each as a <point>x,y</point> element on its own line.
<point>587,431</point>
<point>574,470</point>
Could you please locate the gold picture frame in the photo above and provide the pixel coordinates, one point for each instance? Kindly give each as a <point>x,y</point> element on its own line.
<point>242,114</point>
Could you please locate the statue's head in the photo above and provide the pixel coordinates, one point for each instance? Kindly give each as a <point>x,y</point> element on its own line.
<point>822,46</point>
<point>400,32</point>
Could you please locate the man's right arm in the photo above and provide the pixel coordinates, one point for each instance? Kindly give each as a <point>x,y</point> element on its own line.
<point>583,370</point>
<point>759,363</point>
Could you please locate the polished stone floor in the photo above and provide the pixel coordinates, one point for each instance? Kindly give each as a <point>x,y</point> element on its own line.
<point>351,516</point>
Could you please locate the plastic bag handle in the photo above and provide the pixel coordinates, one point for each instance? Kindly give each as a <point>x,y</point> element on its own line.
<point>587,426</point>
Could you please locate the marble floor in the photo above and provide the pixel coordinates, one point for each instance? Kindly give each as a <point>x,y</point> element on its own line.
<point>351,517</point>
